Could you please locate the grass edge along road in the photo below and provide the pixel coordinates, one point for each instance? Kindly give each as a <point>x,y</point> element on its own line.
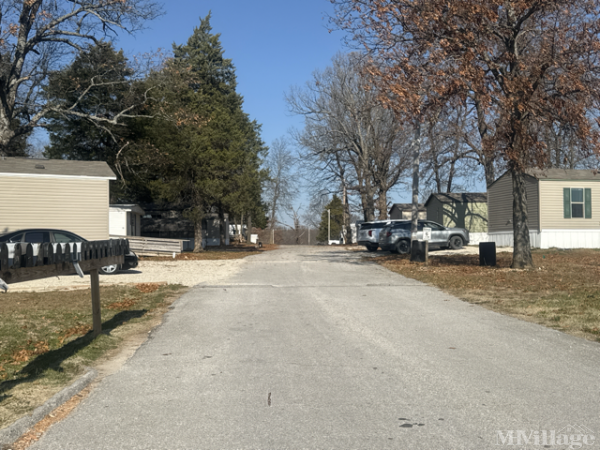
<point>562,292</point>
<point>46,340</point>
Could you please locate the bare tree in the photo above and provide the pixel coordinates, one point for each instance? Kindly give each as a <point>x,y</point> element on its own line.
<point>526,63</point>
<point>38,36</point>
<point>357,142</point>
<point>281,187</point>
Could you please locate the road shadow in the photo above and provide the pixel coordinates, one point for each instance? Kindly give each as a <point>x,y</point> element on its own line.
<point>54,358</point>
<point>340,256</point>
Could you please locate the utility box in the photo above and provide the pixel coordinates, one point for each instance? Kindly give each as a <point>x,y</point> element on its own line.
<point>487,253</point>
<point>419,251</point>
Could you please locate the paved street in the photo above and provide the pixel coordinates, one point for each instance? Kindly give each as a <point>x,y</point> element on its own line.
<point>314,348</point>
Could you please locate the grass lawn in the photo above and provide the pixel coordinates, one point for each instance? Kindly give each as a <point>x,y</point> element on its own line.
<point>562,292</point>
<point>45,339</point>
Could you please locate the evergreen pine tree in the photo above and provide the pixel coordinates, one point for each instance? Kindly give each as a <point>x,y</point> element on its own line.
<point>211,156</point>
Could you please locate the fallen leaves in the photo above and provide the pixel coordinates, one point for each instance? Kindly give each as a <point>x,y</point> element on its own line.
<point>125,304</point>
<point>78,330</point>
<point>147,288</point>
<point>25,354</point>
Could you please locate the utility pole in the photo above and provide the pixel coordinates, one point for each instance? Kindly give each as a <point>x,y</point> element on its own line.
<point>328,226</point>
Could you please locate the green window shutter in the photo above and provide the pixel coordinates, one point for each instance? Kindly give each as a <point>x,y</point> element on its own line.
<point>567,202</point>
<point>588,203</point>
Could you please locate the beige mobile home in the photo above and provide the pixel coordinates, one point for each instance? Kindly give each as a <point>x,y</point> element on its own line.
<point>563,207</point>
<point>51,193</point>
<point>464,210</point>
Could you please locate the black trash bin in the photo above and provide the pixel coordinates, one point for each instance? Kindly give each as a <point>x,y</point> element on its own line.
<point>487,253</point>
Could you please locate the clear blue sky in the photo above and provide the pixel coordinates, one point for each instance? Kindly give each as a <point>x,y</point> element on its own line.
<point>274,44</point>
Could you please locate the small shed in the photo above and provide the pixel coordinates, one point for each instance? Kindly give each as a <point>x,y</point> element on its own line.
<point>463,210</point>
<point>125,220</point>
<point>403,211</point>
<point>54,193</point>
<point>563,208</point>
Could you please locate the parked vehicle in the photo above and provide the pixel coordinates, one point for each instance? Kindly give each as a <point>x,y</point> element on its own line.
<point>388,235</point>
<point>42,235</point>
<point>396,237</point>
<point>368,234</point>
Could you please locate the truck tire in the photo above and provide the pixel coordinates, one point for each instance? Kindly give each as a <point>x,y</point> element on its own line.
<point>456,242</point>
<point>402,247</point>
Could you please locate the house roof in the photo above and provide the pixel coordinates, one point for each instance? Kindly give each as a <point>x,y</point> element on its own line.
<point>55,168</point>
<point>564,174</point>
<point>131,207</point>
<point>404,206</point>
<point>466,197</point>
<point>558,174</point>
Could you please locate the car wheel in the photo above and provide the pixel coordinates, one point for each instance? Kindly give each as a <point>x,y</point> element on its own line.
<point>456,242</point>
<point>109,270</point>
<point>372,248</point>
<point>402,247</point>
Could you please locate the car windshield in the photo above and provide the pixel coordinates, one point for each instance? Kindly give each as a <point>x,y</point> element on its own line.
<point>63,236</point>
<point>16,238</point>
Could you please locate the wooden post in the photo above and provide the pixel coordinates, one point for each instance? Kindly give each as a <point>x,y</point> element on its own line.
<point>96,316</point>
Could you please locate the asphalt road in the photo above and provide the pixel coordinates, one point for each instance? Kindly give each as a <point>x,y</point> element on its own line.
<point>313,348</point>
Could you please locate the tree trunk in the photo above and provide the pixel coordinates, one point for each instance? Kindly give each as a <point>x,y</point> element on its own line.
<point>415,185</point>
<point>487,159</point>
<point>348,236</point>
<point>249,229</point>
<point>367,201</point>
<point>222,230</point>
<point>198,235</point>
<point>382,205</point>
<point>522,247</point>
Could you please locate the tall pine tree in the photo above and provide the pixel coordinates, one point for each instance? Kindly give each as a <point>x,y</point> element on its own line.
<point>210,152</point>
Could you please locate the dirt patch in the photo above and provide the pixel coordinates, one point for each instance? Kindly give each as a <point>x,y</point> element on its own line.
<point>562,292</point>
<point>186,273</point>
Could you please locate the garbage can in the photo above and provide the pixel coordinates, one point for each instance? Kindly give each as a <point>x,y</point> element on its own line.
<point>487,253</point>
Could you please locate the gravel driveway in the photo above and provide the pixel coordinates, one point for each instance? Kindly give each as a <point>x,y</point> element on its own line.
<point>187,273</point>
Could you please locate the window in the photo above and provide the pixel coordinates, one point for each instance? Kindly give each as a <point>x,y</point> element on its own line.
<point>62,237</point>
<point>577,203</point>
<point>37,237</point>
<point>434,226</point>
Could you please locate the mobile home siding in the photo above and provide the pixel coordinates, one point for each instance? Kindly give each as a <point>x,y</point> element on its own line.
<point>435,210</point>
<point>500,204</point>
<point>552,205</point>
<point>472,216</point>
<point>76,204</point>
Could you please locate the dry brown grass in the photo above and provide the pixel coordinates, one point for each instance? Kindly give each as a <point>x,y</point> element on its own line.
<point>562,292</point>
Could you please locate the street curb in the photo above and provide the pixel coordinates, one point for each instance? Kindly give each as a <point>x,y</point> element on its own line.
<point>11,433</point>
